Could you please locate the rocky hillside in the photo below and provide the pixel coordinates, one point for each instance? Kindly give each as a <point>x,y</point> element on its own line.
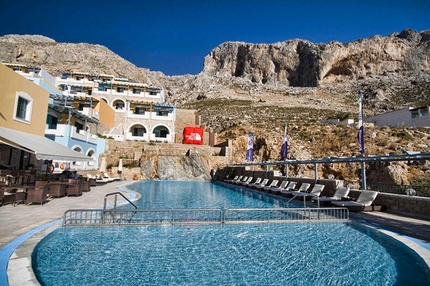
<point>257,87</point>
<point>304,64</point>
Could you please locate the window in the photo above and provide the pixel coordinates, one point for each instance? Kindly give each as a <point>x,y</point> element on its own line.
<point>414,114</point>
<point>140,110</point>
<point>139,131</point>
<point>136,90</point>
<point>120,89</point>
<point>51,121</point>
<point>21,109</point>
<point>119,105</point>
<point>424,111</point>
<point>79,126</point>
<point>23,106</point>
<point>161,132</point>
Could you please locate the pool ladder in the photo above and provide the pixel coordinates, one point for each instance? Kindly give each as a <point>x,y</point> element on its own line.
<point>112,214</point>
<point>287,204</point>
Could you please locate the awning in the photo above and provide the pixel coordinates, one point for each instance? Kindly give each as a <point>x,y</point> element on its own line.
<point>42,147</point>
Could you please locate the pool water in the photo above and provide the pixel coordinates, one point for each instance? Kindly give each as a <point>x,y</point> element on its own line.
<point>230,254</point>
<point>190,194</point>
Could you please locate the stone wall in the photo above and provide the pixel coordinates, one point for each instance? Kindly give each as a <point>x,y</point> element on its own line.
<point>134,153</point>
<point>406,205</point>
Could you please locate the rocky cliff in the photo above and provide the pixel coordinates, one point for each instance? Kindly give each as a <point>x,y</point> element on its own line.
<point>304,64</point>
<point>46,53</point>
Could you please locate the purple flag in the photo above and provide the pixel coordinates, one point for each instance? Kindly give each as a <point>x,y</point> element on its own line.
<point>250,147</point>
<point>360,134</point>
<point>284,148</point>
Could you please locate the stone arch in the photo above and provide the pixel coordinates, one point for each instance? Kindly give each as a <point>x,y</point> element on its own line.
<point>137,130</point>
<point>161,131</point>
<point>118,104</point>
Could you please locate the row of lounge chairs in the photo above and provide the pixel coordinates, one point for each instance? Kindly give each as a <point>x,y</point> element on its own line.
<point>284,188</point>
<point>304,192</point>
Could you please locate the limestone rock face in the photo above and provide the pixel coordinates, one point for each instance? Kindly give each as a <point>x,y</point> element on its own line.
<point>176,168</point>
<point>56,57</point>
<point>305,64</point>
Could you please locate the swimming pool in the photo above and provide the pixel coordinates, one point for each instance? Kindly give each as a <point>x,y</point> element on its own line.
<point>234,254</point>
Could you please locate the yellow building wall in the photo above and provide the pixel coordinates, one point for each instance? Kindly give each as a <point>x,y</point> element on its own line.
<point>106,113</point>
<point>10,84</point>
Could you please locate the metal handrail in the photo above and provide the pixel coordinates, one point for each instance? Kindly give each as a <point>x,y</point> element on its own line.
<point>99,217</point>
<point>117,193</point>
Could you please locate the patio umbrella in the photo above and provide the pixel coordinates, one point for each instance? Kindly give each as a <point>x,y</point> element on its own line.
<point>120,167</point>
<point>103,165</point>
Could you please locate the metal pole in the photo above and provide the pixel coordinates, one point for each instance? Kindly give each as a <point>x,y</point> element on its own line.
<point>363,176</point>
<point>286,171</point>
<point>316,172</point>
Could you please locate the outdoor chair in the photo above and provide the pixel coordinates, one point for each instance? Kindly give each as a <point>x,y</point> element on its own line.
<point>282,186</point>
<point>249,180</point>
<point>57,189</point>
<point>341,192</point>
<point>37,195</point>
<point>365,199</point>
<point>315,192</point>
<point>287,191</point>
<point>74,188</point>
<point>262,184</point>
<point>273,184</point>
<point>257,181</point>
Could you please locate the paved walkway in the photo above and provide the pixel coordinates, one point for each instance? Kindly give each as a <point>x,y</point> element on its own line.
<point>22,227</point>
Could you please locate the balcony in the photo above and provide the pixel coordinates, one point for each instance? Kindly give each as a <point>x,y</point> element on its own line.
<point>66,131</point>
<point>145,115</point>
<point>168,116</point>
<point>168,138</point>
<point>129,136</point>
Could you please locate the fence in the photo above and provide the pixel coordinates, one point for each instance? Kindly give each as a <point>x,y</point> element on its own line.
<point>83,217</point>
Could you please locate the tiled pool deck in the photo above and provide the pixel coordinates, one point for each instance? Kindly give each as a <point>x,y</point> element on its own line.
<point>22,227</point>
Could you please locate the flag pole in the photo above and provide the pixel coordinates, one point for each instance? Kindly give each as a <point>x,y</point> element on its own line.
<point>360,137</point>
<point>284,149</point>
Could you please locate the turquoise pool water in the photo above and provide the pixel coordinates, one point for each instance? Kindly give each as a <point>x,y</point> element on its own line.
<point>241,254</point>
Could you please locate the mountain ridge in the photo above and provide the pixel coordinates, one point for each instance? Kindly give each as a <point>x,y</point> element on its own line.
<point>258,87</point>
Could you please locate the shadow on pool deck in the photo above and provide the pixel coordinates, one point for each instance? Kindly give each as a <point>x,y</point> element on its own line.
<point>25,226</point>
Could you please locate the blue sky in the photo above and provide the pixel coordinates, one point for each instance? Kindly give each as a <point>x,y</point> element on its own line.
<point>174,36</point>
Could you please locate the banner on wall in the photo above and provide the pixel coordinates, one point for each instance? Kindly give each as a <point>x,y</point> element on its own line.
<point>193,135</point>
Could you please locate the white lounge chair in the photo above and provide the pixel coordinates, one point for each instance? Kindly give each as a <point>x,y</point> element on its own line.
<point>262,184</point>
<point>236,179</point>
<point>231,180</point>
<point>341,192</point>
<point>243,179</point>
<point>315,192</point>
<point>273,184</point>
<point>282,186</point>
<point>247,181</point>
<point>257,181</point>
<point>292,188</point>
<point>109,178</point>
<point>365,199</point>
